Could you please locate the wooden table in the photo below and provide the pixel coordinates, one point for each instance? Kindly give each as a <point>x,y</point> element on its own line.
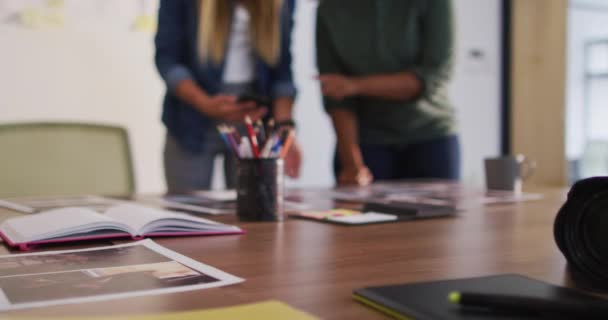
<point>315,267</point>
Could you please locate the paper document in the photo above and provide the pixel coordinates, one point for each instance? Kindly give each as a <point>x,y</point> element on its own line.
<point>439,193</point>
<point>35,204</point>
<point>113,272</point>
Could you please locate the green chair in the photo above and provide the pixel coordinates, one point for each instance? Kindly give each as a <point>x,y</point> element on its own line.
<point>59,159</point>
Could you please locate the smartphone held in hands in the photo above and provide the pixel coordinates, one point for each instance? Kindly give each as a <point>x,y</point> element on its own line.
<point>260,101</point>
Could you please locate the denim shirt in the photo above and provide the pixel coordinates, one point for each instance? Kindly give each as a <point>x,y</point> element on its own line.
<point>177,59</point>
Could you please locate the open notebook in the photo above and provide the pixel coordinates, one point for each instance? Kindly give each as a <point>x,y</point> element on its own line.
<point>123,220</point>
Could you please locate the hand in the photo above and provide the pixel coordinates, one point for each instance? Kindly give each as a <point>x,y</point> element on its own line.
<point>293,160</point>
<point>227,109</point>
<point>337,86</point>
<point>359,176</point>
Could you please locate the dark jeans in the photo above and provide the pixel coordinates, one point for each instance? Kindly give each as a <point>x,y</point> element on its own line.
<point>438,158</point>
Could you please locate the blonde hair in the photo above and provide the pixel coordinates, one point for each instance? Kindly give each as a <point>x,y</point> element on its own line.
<point>215,17</point>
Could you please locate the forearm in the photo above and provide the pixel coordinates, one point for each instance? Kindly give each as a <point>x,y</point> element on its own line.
<point>345,126</point>
<point>397,86</point>
<point>188,91</point>
<point>283,108</point>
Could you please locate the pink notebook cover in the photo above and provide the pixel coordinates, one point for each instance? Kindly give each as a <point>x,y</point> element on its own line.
<point>30,245</point>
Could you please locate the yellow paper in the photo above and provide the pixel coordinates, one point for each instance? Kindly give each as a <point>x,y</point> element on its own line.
<point>266,310</point>
<point>55,3</point>
<point>145,24</point>
<point>39,19</point>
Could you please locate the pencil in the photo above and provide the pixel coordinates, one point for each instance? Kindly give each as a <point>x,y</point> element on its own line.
<point>510,303</point>
<point>252,137</point>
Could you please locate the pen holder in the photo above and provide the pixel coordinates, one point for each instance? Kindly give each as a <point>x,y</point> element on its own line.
<point>259,188</point>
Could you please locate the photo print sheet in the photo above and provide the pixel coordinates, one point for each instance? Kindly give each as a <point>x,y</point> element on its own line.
<point>102,273</point>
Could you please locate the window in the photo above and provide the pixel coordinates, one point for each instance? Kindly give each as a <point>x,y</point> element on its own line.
<point>587,107</point>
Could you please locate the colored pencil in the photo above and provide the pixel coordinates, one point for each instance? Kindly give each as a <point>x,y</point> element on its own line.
<point>252,137</point>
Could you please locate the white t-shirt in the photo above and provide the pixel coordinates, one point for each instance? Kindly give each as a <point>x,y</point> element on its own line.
<point>240,63</point>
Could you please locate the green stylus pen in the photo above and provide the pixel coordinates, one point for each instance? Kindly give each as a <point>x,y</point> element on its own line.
<point>512,303</point>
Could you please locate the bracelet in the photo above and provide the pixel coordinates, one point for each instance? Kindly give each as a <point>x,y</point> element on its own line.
<point>285,123</point>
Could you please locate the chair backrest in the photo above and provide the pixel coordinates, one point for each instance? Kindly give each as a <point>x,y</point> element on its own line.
<point>57,159</point>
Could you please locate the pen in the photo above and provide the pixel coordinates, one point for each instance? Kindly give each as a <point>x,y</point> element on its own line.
<point>233,143</point>
<point>262,133</point>
<point>510,303</point>
<point>228,139</point>
<point>235,133</point>
<point>270,127</point>
<point>252,137</point>
<point>274,152</point>
<point>222,130</point>
<point>268,145</point>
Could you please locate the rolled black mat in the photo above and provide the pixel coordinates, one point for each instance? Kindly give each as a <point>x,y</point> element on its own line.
<point>581,233</point>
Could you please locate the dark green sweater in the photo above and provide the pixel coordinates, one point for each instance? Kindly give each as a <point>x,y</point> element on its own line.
<point>367,37</point>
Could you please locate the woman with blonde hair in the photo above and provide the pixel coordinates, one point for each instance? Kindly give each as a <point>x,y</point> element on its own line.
<point>208,53</point>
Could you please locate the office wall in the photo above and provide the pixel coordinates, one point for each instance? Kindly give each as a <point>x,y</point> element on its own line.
<point>86,76</point>
<point>107,76</point>
<point>476,86</point>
